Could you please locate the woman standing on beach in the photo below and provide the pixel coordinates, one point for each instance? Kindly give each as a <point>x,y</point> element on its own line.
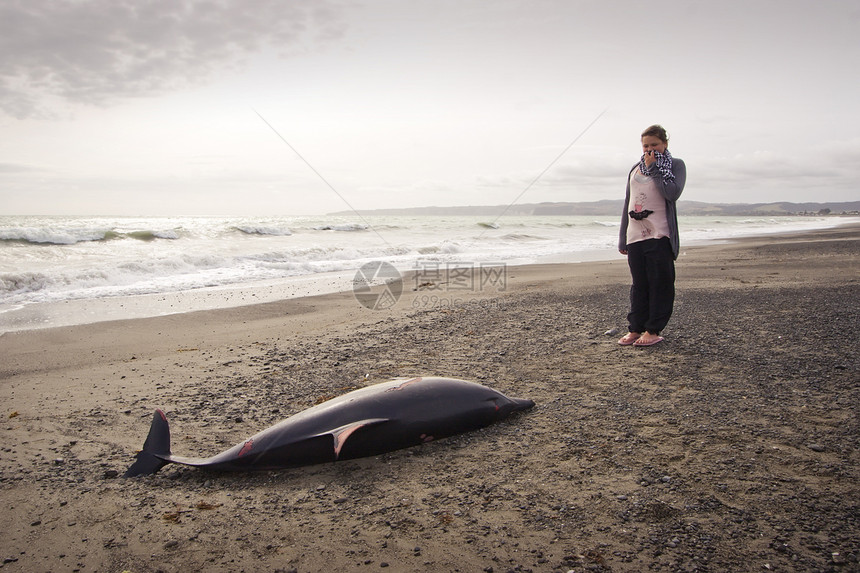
<point>649,237</point>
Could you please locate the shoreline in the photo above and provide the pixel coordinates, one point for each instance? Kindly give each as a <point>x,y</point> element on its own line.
<point>734,445</point>
<point>31,316</point>
<point>318,314</point>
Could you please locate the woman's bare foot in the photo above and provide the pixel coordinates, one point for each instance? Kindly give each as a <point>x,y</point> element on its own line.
<point>648,339</point>
<point>629,338</point>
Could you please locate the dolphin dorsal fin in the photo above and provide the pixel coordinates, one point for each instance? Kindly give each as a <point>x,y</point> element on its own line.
<point>342,434</point>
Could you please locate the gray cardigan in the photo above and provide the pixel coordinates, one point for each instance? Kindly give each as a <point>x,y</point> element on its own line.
<point>671,191</point>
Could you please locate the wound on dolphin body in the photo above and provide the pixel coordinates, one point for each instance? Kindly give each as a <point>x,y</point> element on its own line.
<point>246,449</point>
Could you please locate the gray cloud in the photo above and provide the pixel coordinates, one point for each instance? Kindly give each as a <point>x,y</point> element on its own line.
<point>97,52</point>
<point>17,168</point>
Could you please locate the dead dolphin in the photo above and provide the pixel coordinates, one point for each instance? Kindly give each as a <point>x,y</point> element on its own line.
<point>366,422</point>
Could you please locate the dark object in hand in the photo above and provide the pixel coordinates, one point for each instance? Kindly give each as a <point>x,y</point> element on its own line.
<point>639,215</point>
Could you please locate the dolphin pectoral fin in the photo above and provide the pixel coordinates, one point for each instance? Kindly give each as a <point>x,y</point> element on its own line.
<point>342,434</point>
<point>156,448</point>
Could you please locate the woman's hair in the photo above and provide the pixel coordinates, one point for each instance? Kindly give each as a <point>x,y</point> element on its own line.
<point>657,131</point>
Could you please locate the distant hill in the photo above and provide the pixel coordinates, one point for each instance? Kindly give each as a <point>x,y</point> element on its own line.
<point>770,209</point>
<point>614,206</point>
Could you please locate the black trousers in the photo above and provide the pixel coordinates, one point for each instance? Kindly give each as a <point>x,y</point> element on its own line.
<point>652,295</point>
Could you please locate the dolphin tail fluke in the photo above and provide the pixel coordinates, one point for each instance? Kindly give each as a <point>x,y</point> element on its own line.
<point>155,449</point>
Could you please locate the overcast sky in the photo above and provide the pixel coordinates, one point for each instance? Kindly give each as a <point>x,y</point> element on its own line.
<point>129,107</point>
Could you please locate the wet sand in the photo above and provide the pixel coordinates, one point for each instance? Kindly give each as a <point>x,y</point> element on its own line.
<point>734,445</point>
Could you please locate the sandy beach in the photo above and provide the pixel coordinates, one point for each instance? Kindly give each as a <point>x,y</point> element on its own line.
<point>734,445</point>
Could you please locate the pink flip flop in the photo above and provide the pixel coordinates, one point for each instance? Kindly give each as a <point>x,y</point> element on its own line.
<point>657,340</point>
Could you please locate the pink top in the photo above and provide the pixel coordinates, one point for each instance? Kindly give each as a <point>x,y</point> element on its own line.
<point>644,195</point>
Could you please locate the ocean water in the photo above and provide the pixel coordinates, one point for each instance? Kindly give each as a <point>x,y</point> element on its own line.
<point>67,270</point>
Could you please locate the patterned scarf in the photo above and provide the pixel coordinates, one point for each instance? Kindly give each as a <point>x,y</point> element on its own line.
<point>664,165</point>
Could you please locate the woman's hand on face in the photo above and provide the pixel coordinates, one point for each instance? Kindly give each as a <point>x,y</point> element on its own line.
<point>650,145</point>
<point>650,158</point>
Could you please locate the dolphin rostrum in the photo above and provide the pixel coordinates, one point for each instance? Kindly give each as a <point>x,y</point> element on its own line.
<point>365,422</point>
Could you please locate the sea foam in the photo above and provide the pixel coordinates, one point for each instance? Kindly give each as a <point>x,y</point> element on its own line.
<point>55,259</point>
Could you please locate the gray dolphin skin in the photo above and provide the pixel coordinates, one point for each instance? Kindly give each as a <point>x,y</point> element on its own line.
<point>365,422</point>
